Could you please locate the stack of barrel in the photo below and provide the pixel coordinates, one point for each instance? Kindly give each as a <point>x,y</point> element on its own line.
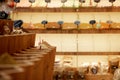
<point>29,63</point>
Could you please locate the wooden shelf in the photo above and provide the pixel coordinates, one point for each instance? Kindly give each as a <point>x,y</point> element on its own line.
<point>74,31</point>
<point>87,53</point>
<point>67,9</point>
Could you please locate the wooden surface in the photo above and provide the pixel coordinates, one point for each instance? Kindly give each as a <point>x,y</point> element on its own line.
<point>41,68</point>
<point>74,31</point>
<point>87,53</point>
<point>99,76</point>
<point>81,9</point>
<point>16,43</point>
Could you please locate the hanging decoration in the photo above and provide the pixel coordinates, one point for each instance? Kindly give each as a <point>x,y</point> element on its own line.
<point>96,1</point>
<point>109,22</point>
<point>92,22</point>
<point>17,1</point>
<point>112,1</point>
<point>44,22</point>
<point>47,1</point>
<point>60,23</point>
<point>18,23</point>
<point>77,23</point>
<point>81,2</point>
<point>31,1</point>
<point>3,15</point>
<point>63,1</point>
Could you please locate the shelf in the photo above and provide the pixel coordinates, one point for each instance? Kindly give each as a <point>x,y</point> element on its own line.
<point>67,9</point>
<point>87,53</point>
<point>74,31</point>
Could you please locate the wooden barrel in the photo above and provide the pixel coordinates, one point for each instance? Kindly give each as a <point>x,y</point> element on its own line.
<point>11,44</point>
<point>29,41</point>
<point>3,44</point>
<point>32,40</point>
<point>51,64</point>
<point>24,42</point>
<point>28,68</point>
<point>49,56</point>
<point>47,64</point>
<point>16,43</point>
<point>4,76</point>
<point>46,61</point>
<point>38,64</point>
<point>15,72</point>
